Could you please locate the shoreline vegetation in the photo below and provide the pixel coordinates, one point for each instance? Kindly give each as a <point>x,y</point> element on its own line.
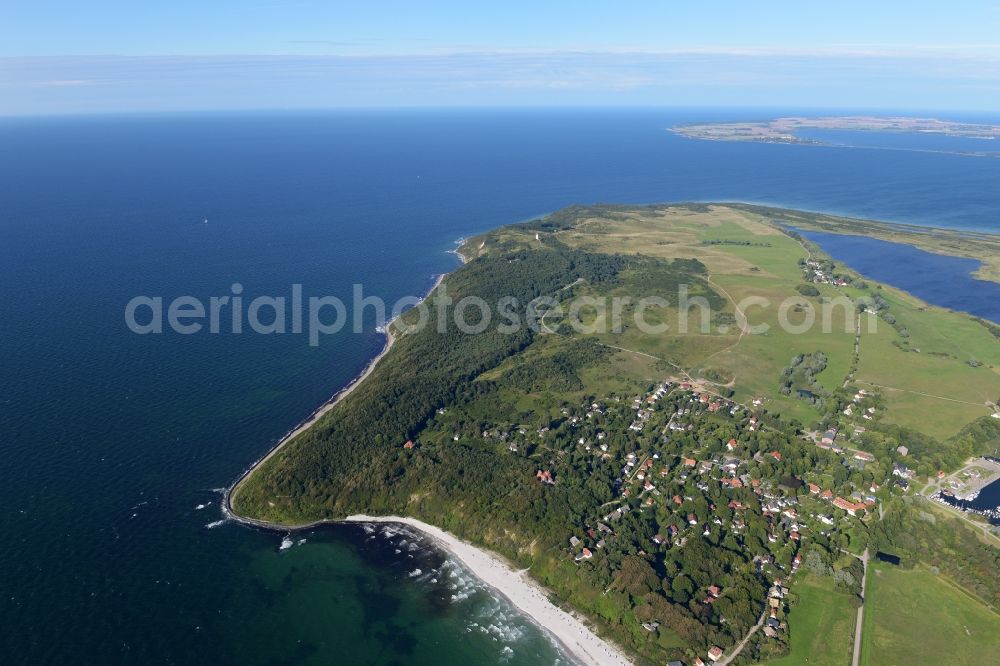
<point>331,484</point>
<point>570,633</point>
<point>310,421</point>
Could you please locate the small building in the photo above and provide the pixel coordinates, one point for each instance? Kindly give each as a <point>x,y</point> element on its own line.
<point>848,506</point>
<point>902,471</point>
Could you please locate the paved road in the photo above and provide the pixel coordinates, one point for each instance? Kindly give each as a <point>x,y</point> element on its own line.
<point>861,612</point>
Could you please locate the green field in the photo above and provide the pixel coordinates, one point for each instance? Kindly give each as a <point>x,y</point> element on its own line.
<point>913,617</point>
<point>821,625</point>
<point>936,377</point>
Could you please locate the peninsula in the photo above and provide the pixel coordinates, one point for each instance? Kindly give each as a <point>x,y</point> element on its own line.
<point>783,130</point>
<point>685,495</point>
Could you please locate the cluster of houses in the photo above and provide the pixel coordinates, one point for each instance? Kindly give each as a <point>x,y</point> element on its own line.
<point>641,473</point>
<point>857,504</point>
<point>647,476</point>
<point>829,440</point>
<point>867,413</point>
<point>815,271</point>
<point>775,602</point>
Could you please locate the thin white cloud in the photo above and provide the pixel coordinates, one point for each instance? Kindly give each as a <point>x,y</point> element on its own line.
<point>58,83</point>
<point>682,76</point>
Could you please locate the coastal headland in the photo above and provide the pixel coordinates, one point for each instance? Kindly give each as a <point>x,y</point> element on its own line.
<point>611,465</point>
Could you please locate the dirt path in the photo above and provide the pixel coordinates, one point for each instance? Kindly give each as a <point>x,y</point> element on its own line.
<point>859,623</point>
<point>742,644</point>
<point>926,395</point>
<point>741,317</point>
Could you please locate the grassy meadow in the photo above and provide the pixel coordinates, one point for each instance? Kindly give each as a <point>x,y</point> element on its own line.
<point>941,625</point>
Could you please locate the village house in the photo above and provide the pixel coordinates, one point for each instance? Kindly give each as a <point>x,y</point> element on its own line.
<point>545,476</point>
<point>848,506</point>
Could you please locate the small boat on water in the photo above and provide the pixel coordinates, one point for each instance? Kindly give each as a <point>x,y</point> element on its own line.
<point>286,543</point>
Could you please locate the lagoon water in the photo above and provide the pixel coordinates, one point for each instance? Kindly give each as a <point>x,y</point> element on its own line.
<point>112,441</point>
<point>937,279</point>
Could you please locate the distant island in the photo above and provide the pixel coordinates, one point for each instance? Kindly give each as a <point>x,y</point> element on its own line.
<point>726,495</point>
<point>783,130</point>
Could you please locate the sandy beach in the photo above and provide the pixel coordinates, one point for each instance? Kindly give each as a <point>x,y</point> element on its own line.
<point>579,642</point>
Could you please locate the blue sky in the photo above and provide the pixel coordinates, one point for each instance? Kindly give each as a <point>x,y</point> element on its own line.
<point>60,56</point>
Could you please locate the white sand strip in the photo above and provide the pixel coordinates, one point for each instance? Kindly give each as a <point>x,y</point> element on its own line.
<point>579,642</point>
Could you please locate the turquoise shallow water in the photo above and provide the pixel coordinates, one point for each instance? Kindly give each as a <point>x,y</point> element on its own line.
<point>111,440</point>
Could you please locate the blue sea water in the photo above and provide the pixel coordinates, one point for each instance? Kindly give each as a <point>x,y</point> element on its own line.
<point>112,440</point>
<point>906,141</point>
